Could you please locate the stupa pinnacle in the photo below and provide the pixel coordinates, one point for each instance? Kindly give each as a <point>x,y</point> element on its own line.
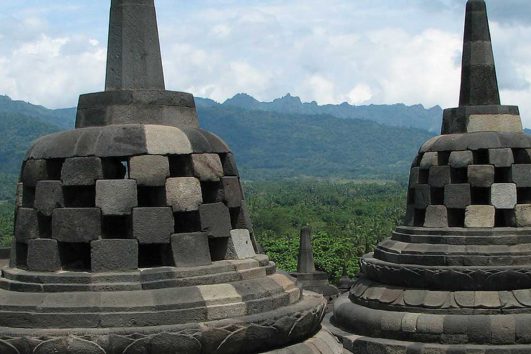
<point>456,277</point>
<point>132,234</point>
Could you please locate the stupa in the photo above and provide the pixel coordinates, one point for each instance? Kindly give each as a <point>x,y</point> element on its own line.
<point>132,233</point>
<point>456,278</point>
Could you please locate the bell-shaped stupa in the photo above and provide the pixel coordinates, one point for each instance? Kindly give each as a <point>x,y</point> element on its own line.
<point>132,233</point>
<point>456,278</point>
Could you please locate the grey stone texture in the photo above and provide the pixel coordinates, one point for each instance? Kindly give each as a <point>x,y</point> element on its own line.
<point>114,255</point>
<point>34,171</point>
<point>207,167</point>
<point>439,176</point>
<point>521,175</point>
<point>428,160</point>
<point>480,216</point>
<point>503,195</point>
<point>116,197</point>
<point>232,191</point>
<point>183,193</point>
<point>49,196</point>
<point>27,225</point>
<point>43,255</point>
<point>190,249</point>
<point>229,165</point>
<point>215,220</point>
<point>153,225</point>
<point>81,171</point>
<point>481,175</point>
<point>501,157</point>
<point>461,159</point>
<point>76,224</point>
<point>240,245</point>
<point>414,177</point>
<point>305,262</point>
<point>457,196</point>
<point>436,216</point>
<point>523,215</point>
<point>422,196</point>
<point>149,170</point>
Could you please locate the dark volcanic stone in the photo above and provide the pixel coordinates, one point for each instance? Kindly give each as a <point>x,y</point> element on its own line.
<point>114,255</point>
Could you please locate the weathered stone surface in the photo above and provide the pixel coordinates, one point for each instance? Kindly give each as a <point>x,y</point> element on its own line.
<point>183,193</point>
<point>116,197</point>
<point>207,167</point>
<point>152,225</point>
<point>439,176</point>
<point>240,245</point>
<point>76,225</point>
<point>305,262</point>
<point>161,140</point>
<point>34,171</point>
<point>149,170</point>
<point>521,175</point>
<point>501,157</point>
<point>436,216</point>
<point>43,255</point>
<point>27,224</point>
<point>522,156</point>
<point>229,165</point>
<point>422,196</point>
<point>232,191</point>
<point>503,195</point>
<point>523,215</point>
<point>461,159</point>
<point>429,159</point>
<point>494,123</point>
<point>48,196</point>
<point>414,177</point>
<point>457,196</point>
<point>479,216</point>
<point>481,175</point>
<point>81,171</point>
<point>190,249</point>
<point>215,220</point>
<point>114,255</point>
<point>19,197</point>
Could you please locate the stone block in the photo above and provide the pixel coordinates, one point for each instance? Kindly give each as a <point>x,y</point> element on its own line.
<point>422,196</point>
<point>114,255</point>
<point>81,171</point>
<point>207,167</point>
<point>229,165</point>
<point>436,216</point>
<point>116,197</point>
<point>153,225</point>
<point>190,249</point>
<point>501,157</point>
<point>429,159</point>
<point>27,225</point>
<point>479,216</point>
<point>414,177</point>
<point>439,176</point>
<point>523,215</point>
<point>34,171</point>
<point>523,156</point>
<point>461,159</point>
<point>76,224</point>
<point>183,193</point>
<point>49,196</point>
<point>521,175</point>
<point>19,197</point>
<point>149,170</point>
<point>457,196</point>
<point>232,191</point>
<point>43,255</point>
<point>481,175</point>
<point>215,219</point>
<point>503,195</point>
<point>240,245</point>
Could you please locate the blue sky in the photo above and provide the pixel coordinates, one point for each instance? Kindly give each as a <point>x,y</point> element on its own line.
<point>356,51</point>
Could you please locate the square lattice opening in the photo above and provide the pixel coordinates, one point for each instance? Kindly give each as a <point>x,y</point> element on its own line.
<point>79,196</point>
<point>189,221</point>
<point>114,227</point>
<point>154,255</point>
<point>181,166</point>
<point>75,256</point>
<point>151,196</point>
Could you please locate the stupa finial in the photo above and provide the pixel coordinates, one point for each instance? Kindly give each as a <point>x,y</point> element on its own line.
<point>133,56</point>
<point>305,262</point>
<point>479,84</point>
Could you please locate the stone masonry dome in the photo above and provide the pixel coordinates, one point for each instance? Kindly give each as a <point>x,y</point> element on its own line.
<point>132,234</point>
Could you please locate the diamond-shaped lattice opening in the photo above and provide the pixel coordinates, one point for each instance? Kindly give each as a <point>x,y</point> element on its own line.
<point>75,256</point>
<point>154,255</point>
<point>79,196</point>
<point>151,196</point>
<point>116,226</point>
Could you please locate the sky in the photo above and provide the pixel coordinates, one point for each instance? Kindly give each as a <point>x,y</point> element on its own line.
<point>334,51</point>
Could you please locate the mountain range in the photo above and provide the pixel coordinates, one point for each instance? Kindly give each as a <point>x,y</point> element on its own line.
<point>282,138</point>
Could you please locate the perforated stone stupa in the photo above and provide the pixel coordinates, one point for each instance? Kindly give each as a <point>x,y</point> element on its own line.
<point>132,233</point>
<point>456,278</point>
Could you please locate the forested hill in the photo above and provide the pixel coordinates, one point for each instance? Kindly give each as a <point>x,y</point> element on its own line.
<point>398,115</point>
<point>268,144</point>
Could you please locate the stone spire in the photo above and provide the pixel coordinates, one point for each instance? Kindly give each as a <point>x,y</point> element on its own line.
<point>479,108</point>
<point>479,85</point>
<point>305,262</point>
<point>133,55</point>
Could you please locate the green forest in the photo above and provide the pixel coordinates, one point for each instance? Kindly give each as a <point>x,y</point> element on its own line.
<point>347,219</point>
